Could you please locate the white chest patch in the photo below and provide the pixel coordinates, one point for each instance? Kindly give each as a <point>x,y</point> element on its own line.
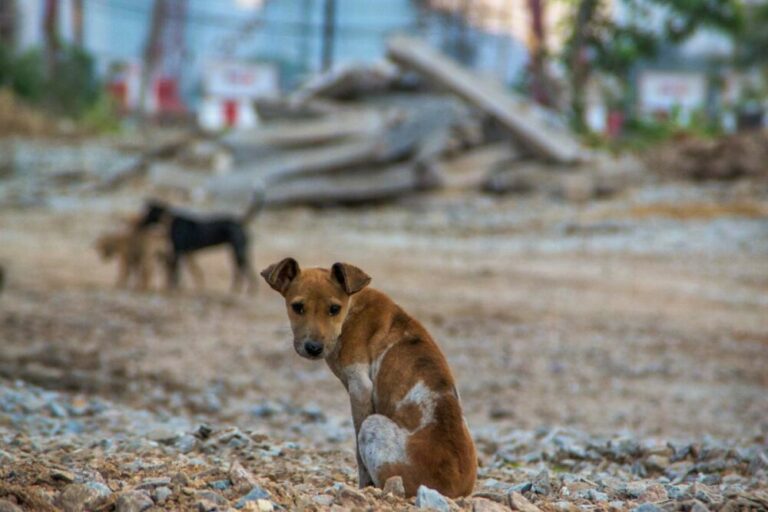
<point>358,381</point>
<point>425,399</point>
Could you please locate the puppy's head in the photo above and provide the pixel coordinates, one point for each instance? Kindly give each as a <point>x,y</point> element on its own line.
<point>317,301</point>
<point>154,212</point>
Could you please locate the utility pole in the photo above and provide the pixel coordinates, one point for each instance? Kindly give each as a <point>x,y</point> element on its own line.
<point>152,51</point>
<point>77,23</point>
<point>305,40</point>
<point>8,22</point>
<point>537,50</point>
<point>51,35</point>
<point>329,34</point>
<point>172,39</point>
<point>460,15</point>
<point>506,18</point>
<point>467,53</point>
<point>578,64</point>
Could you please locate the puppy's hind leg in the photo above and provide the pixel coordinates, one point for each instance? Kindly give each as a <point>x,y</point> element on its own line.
<point>382,446</point>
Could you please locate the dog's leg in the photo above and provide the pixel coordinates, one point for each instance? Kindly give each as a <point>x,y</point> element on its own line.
<point>381,444</point>
<point>245,274</point>
<point>361,398</point>
<point>144,266</point>
<point>123,272</point>
<point>243,270</point>
<point>145,274</point>
<point>173,272</point>
<point>196,271</point>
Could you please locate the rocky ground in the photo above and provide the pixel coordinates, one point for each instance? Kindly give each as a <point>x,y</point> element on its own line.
<point>68,452</point>
<point>611,355</point>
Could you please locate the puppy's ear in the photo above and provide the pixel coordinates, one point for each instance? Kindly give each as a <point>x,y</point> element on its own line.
<point>280,275</point>
<point>351,278</point>
<point>155,203</point>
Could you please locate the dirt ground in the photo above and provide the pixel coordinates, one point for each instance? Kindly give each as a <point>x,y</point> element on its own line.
<point>603,317</point>
<point>645,315</point>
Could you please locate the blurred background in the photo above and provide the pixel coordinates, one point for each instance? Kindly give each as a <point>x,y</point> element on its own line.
<point>612,67</point>
<point>571,195</point>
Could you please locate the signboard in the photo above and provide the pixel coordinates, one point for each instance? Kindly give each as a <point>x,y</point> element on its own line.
<point>125,84</point>
<point>235,80</point>
<point>662,91</point>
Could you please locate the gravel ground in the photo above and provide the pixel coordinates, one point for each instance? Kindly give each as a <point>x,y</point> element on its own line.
<point>65,451</point>
<point>610,356</point>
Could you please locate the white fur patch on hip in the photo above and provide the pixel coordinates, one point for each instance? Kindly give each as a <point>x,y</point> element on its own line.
<point>425,399</point>
<point>381,442</point>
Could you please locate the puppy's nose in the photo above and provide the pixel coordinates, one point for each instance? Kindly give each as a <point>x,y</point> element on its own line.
<point>313,348</point>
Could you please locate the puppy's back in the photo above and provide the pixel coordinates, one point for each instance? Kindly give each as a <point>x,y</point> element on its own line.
<point>414,387</point>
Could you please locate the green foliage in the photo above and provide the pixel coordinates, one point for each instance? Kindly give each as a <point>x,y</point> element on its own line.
<point>622,47</point>
<point>26,76</point>
<point>6,59</point>
<point>616,47</point>
<point>684,17</point>
<point>72,90</point>
<point>597,42</point>
<point>641,134</point>
<point>101,116</point>
<point>752,45</point>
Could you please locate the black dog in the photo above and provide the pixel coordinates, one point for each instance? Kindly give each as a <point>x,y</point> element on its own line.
<point>189,233</point>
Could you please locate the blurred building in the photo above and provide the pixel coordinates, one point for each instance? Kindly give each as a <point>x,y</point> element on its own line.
<point>291,36</point>
<point>229,91</point>
<point>694,80</point>
<point>510,21</point>
<point>284,41</point>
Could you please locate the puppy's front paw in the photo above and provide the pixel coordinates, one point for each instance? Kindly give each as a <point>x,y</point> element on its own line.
<point>363,478</point>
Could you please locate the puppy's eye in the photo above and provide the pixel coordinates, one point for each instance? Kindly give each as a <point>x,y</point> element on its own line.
<point>298,308</point>
<point>334,310</point>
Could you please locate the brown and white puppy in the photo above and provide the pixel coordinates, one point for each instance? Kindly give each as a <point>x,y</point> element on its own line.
<point>405,407</point>
<point>139,254</point>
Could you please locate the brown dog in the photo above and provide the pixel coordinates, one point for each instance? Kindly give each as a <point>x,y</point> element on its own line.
<point>405,407</point>
<point>139,253</point>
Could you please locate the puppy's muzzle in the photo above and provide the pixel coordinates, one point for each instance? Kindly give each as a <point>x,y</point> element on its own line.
<point>313,348</point>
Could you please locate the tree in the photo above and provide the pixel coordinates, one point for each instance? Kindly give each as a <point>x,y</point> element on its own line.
<point>77,22</point>
<point>576,57</point>
<point>51,35</point>
<point>540,87</point>
<point>329,34</point>
<point>597,42</point>
<point>152,51</point>
<point>752,42</point>
<point>7,22</point>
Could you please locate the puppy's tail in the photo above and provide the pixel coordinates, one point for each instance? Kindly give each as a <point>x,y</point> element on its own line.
<point>254,209</point>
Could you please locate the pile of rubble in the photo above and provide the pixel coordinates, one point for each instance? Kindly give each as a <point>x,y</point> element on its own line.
<point>359,134</point>
<point>741,155</point>
<point>362,134</point>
